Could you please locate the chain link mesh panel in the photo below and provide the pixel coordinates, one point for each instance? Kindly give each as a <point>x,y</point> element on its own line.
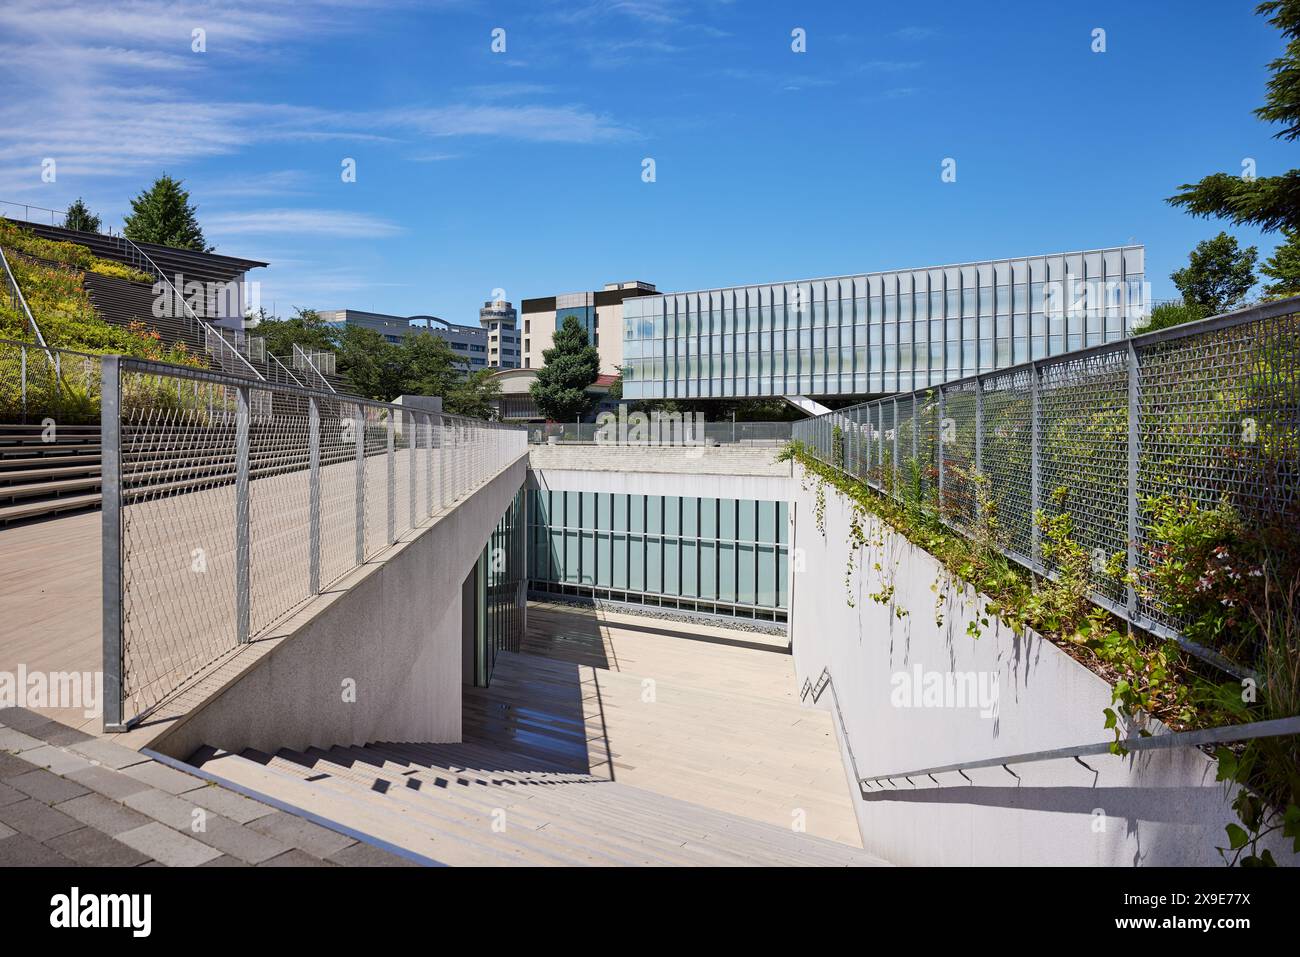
<point>178,434</point>
<point>1005,458</point>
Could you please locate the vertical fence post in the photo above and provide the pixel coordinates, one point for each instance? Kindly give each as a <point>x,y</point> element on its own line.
<point>979,443</point>
<point>443,498</point>
<point>313,493</point>
<point>390,459</point>
<point>359,436</point>
<point>22,375</point>
<point>111,539</point>
<point>1134,434</point>
<point>428,465</point>
<point>412,444</point>
<point>1035,440</point>
<point>894,487</point>
<point>939,445</point>
<point>242,555</point>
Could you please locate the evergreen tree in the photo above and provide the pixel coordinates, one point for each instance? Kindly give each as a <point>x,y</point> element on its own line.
<point>163,214</point>
<point>80,218</point>
<point>1284,268</point>
<point>572,365</point>
<point>1269,202</point>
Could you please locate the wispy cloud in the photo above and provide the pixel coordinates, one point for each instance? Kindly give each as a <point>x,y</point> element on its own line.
<point>913,33</point>
<point>300,222</point>
<point>546,124</point>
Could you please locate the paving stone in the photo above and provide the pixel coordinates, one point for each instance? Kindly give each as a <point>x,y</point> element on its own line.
<point>238,841</point>
<point>9,795</point>
<point>108,754</point>
<point>238,808</point>
<point>62,736</point>
<point>295,858</point>
<point>301,833</point>
<point>14,740</point>
<point>37,820</point>
<point>21,851</point>
<point>47,787</point>
<point>97,811</point>
<point>92,848</point>
<point>56,759</point>
<point>112,784</point>
<point>11,766</point>
<point>161,806</point>
<point>167,846</point>
<point>367,855</point>
<point>164,778</point>
<point>20,719</point>
<point>225,860</point>
<point>6,831</point>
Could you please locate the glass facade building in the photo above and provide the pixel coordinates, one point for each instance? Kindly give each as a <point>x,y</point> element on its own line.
<point>878,332</point>
<point>718,555</point>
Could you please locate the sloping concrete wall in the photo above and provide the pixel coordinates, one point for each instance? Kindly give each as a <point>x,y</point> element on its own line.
<point>1151,808</point>
<point>391,631</point>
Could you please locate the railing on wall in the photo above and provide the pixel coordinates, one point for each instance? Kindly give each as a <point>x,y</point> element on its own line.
<point>228,503</point>
<point>1207,411</point>
<point>37,381</point>
<point>668,433</point>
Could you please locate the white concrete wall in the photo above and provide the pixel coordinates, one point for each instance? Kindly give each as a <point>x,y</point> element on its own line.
<point>1154,808</point>
<point>394,628</point>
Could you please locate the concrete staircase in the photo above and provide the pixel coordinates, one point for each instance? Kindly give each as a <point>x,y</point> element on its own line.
<point>464,804</point>
<point>39,478</point>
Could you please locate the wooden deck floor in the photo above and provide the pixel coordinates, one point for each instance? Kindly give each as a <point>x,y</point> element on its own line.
<point>50,600</point>
<point>704,714</point>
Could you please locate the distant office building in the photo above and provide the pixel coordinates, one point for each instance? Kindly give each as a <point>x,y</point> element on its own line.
<point>469,343</point>
<point>601,314</point>
<point>500,320</point>
<point>878,332</point>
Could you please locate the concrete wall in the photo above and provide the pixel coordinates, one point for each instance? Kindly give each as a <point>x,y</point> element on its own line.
<point>1155,808</point>
<point>393,627</point>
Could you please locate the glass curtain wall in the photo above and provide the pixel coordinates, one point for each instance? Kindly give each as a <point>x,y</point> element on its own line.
<point>717,555</point>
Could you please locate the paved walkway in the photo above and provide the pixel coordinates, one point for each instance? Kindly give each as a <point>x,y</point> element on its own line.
<point>67,798</point>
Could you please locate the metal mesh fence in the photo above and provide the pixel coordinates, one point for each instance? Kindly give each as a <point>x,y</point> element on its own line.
<point>36,382</point>
<point>228,503</point>
<point>1208,413</point>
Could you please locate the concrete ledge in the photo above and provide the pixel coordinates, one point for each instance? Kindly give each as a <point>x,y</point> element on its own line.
<point>377,658</point>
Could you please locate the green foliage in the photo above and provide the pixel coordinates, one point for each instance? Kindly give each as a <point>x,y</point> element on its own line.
<point>1283,267</point>
<point>474,395</point>
<point>572,365</point>
<point>373,367</point>
<point>1269,202</point>
<point>1218,274</point>
<point>14,237</point>
<point>79,217</point>
<point>1172,314</point>
<point>163,214</point>
<point>304,328</point>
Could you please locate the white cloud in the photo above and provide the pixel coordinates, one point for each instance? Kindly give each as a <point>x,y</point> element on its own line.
<point>301,222</point>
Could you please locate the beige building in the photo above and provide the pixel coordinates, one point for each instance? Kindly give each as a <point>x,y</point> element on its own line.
<point>601,314</point>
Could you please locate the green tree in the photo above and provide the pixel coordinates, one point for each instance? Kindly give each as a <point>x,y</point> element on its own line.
<point>429,365</point>
<point>163,214</point>
<point>1284,268</point>
<point>475,394</point>
<point>80,218</point>
<point>373,367</point>
<point>572,365</point>
<point>1218,274</point>
<point>304,328</point>
<point>1269,202</point>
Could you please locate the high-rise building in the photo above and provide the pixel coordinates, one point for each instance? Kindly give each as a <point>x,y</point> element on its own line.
<point>878,332</point>
<point>601,314</point>
<point>499,318</point>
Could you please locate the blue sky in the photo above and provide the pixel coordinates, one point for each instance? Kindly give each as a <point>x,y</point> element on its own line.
<point>522,170</point>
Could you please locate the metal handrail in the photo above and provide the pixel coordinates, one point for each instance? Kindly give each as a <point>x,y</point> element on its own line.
<point>16,296</point>
<point>309,361</point>
<point>202,326</point>
<point>1274,728</point>
<point>825,681</point>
